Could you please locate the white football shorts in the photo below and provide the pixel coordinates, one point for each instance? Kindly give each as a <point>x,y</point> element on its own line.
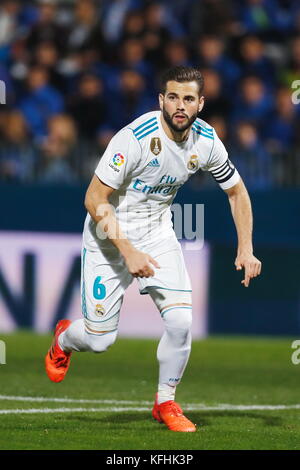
<point>105,278</point>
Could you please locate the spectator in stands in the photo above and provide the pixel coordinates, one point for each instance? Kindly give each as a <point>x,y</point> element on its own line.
<point>248,153</point>
<point>20,57</point>
<point>17,156</point>
<point>218,122</point>
<point>281,131</point>
<point>47,55</point>
<point>8,21</point>
<point>9,85</point>
<point>104,136</point>
<point>94,150</point>
<point>296,18</point>
<point>114,12</point>
<point>176,52</point>
<point>132,56</point>
<point>55,165</point>
<point>216,101</point>
<point>88,107</point>
<point>262,16</point>
<point>291,72</point>
<point>86,31</point>
<point>210,52</point>
<point>134,25</point>
<point>253,102</point>
<point>40,102</point>
<point>130,99</point>
<point>28,16</point>
<point>212,17</point>
<point>47,28</point>
<point>245,49</point>
<point>181,12</point>
<point>255,62</point>
<point>156,35</point>
<point>160,17</point>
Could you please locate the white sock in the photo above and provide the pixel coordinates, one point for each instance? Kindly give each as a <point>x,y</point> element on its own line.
<point>173,351</point>
<point>75,338</point>
<point>165,393</point>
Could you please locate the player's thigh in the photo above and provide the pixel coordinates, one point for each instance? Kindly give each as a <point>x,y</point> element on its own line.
<point>170,289</point>
<point>104,279</point>
<point>168,300</point>
<point>171,276</point>
<point>175,308</point>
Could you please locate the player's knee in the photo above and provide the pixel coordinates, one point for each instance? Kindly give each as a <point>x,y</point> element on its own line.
<point>178,323</point>
<point>101,343</point>
<point>175,308</point>
<point>179,317</point>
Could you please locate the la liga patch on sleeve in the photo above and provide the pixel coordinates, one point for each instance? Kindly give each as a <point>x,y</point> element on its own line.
<point>116,161</point>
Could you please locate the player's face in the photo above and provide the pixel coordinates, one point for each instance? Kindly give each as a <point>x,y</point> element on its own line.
<point>180,104</point>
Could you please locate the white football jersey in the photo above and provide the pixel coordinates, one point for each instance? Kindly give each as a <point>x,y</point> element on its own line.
<point>146,168</point>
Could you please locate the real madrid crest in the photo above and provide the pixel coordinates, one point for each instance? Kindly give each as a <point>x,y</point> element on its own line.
<point>155,145</point>
<point>193,163</point>
<point>99,310</point>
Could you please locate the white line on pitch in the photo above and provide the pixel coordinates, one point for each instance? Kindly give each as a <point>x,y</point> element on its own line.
<point>225,407</point>
<point>74,400</point>
<point>195,407</point>
<point>70,410</point>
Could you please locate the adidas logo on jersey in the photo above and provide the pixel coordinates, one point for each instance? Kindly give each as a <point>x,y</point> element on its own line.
<point>154,162</point>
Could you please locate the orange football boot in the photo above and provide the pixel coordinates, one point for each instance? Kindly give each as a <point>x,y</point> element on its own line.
<point>172,415</point>
<point>57,361</point>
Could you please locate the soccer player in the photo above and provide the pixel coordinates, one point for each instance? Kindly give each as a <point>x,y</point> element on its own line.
<point>128,233</point>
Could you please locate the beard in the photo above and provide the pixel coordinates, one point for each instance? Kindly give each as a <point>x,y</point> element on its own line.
<point>178,127</point>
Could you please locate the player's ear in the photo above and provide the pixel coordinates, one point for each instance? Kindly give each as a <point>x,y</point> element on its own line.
<point>161,100</point>
<point>201,104</point>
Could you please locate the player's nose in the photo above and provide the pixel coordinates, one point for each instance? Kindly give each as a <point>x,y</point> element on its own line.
<point>180,106</point>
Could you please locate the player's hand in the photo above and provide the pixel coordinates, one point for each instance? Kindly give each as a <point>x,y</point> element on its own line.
<point>139,264</point>
<point>251,264</point>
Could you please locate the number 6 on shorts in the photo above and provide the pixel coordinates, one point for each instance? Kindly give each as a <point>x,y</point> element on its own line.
<point>99,290</point>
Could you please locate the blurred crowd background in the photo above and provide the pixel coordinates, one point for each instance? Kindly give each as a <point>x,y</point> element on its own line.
<point>77,71</point>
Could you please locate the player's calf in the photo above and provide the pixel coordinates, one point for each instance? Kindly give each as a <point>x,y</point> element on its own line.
<point>100,342</point>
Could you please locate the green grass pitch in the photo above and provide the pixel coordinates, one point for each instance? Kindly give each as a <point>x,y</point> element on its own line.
<point>256,374</point>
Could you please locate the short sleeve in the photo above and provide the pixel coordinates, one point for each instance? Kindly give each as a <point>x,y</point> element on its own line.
<point>120,158</point>
<point>221,168</point>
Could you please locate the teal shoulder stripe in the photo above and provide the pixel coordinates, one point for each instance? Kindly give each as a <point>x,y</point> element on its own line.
<point>144,124</point>
<point>145,128</point>
<point>202,133</point>
<point>201,125</point>
<point>135,136</point>
<point>149,132</point>
<point>205,129</point>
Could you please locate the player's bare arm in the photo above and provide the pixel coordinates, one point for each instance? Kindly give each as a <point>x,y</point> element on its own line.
<point>98,205</point>
<point>242,215</point>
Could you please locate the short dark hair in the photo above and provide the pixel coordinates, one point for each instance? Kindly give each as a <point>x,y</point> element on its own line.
<point>182,74</point>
